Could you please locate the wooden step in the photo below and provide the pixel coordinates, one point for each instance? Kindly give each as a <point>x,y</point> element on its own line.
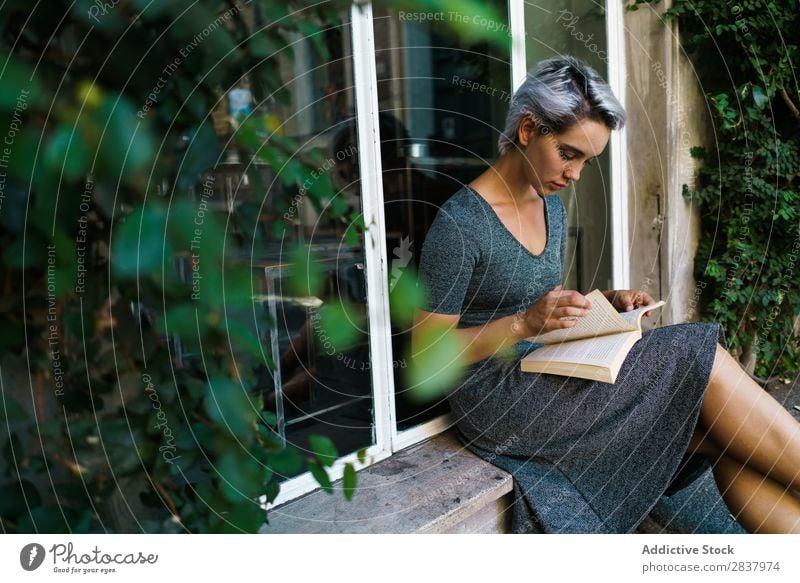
<point>436,486</point>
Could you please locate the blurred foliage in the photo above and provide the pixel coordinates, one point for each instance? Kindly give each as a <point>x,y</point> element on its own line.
<point>745,54</point>
<point>109,256</point>
<point>106,113</point>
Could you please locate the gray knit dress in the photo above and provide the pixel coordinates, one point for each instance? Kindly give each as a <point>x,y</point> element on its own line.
<point>587,456</point>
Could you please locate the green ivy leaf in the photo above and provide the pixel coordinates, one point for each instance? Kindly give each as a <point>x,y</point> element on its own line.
<point>66,152</point>
<point>244,517</point>
<point>201,154</point>
<point>698,152</point>
<point>272,491</point>
<point>228,405</point>
<point>126,146</point>
<point>243,339</point>
<point>406,292</point>
<point>355,229</point>
<point>436,367</point>
<point>19,88</point>
<point>349,481</point>
<point>138,243</point>
<point>269,418</point>
<point>323,449</point>
<point>286,462</point>
<point>305,276</point>
<point>321,476</point>
<point>24,253</point>
<point>186,321</point>
<point>241,477</point>
<point>339,327</point>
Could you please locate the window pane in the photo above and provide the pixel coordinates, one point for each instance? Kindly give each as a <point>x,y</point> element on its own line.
<point>319,342</point>
<point>578,28</point>
<point>436,136</point>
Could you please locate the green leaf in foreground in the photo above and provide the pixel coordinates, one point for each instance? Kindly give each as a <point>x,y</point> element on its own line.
<point>406,294</point>
<point>349,481</point>
<point>228,405</point>
<point>321,476</point>
<point>435,364</point>
<point>138,247</point>
<point>339,326</point>
<point>286,462</point>
<point>324,449</point>
<point>305,275</point>
<point>698,152</point>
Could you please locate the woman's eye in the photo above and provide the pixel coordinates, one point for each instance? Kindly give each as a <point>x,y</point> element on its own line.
<point>564,156</point>
<point>590,162</point>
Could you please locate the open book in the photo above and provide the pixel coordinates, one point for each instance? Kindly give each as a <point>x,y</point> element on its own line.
<point>594,348</point>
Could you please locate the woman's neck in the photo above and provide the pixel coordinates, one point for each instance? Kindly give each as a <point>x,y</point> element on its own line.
<point>506,179</point>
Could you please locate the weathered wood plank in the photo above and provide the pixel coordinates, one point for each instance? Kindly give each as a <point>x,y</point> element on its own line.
<point>431,487</point>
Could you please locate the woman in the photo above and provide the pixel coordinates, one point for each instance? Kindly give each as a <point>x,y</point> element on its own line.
<point>595,457</point>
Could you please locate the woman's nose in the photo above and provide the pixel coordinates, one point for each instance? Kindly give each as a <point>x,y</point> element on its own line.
<point>572,173</point>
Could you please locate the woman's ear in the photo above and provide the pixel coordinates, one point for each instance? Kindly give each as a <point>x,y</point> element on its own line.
<point>526,130</point>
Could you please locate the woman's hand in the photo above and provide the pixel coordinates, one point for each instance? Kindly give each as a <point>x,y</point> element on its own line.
<point>554,310</point>
<point>625,300</point>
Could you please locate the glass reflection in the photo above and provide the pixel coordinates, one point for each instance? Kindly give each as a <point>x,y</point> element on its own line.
<point>319,343</point>
<point>442,104</point>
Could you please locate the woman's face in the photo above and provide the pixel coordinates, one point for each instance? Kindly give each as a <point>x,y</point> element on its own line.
<point>553,160</point>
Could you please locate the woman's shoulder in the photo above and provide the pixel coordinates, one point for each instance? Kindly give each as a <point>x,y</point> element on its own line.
<point>462,202</point>
<point>464,207</point>
<point>458,219</point>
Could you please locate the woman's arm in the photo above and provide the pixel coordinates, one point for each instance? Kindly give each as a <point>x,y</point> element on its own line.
<point>478,342</point>
<point>481,342</point>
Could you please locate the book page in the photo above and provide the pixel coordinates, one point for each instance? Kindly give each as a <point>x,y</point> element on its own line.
<point>601,319</point>
<point>634,317</point>
<point>599,351</point>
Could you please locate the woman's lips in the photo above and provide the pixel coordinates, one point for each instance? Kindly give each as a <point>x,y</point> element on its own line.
<point>558,185</point>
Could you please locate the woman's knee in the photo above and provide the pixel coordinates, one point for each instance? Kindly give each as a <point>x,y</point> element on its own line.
<point>701,443</point>
<point>722,363</point>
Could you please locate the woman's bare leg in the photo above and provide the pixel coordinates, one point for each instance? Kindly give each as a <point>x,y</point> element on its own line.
<point>758,503</point>
<point>748,425</point>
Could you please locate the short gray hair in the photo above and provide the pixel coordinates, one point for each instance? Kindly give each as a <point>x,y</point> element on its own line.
<point>559,92</point>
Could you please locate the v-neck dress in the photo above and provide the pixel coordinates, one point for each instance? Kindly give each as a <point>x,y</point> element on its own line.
<point>587,456</point>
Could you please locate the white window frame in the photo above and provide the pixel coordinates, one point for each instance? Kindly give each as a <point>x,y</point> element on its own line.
<point>617,79</point>
<point>388,439</point>
<point>516,20</point>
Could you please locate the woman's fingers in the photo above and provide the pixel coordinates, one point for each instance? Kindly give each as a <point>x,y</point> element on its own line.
<point>572,312</point>
<point>558,309</point>
<point>566,317</point>
<point>639,299</point>
<point>566,307</point>
<point>647,299</point>
<point>572,298</point>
